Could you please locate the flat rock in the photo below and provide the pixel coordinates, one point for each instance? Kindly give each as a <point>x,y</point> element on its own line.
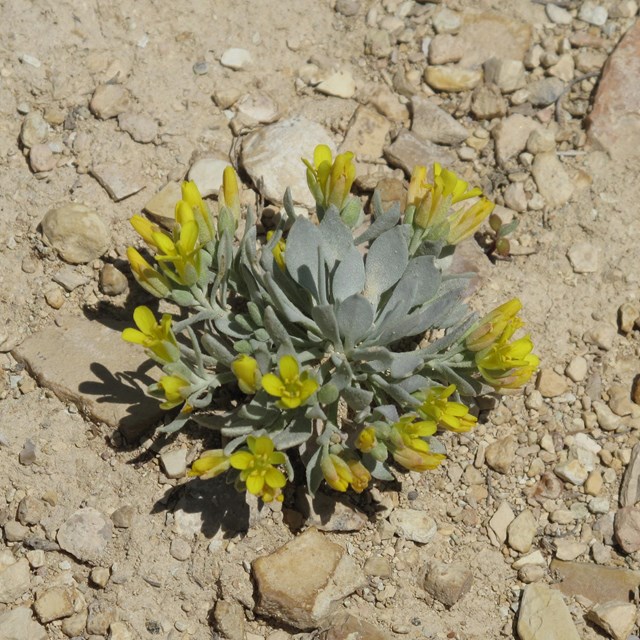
<point>558,15</point>
<point>414,525</point>
<point>327,513</point>
<point>511,136</point>
<point>140,127</point>
<point>434,124</point>
<point>54,604</point>
<point>489,34</point>
<point>76,232</point>
<point>348,627</point>
<point>616,618</point>
<point>627,528</point>
<point>236,59</point>
<point>445,48</point>
<point>522,531</point>
<point>553,182</point>
<point>229,617</point>
<point>174,462</point>
<point>500,522</point>
<point>340,84</point>
<point>109,101</point>
<point>545,91</point>
<point>543,615</point>
<point>630,487</point>
<point>452,78</point>
<point>551,384</point>
<point>507,75</point>
<point>162,206</point>
<point>18,624</point>
<point>488,103</point>
<point>572,471</point>
<point>584,257</point>
<point>501,454</point>
<point>408,151</point>
<point>306,597</point>
<point>595,582</point>
<point>613,124</point>
<point>447,583</point>
<point>85,534</point>
<point>34,130</point>
<point>366,134</point>
<point>68,278</point>
<point>207,174</point>
<point>273,154</point>
<point>101,381</point>
<point>14,581</point>
<point>119,181</point>
<point>258,107</point>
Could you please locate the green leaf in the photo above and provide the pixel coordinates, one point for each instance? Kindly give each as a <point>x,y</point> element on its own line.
<point>386,261</point>
<point>215,348</point>
<point>349,276</point>
<point>277,330</point>
<point>335,238</point>
<point>381,224</point>
<point>299,430</point>
<point>357,398</point>
<point>302,254</point>
<point>314,471</point>
<point>355,317</point>
<point>325,318</point>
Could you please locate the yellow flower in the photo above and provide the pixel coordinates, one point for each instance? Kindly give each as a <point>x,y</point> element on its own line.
<point>193,207</point>
<point>172,387</point>
<point>408,447</point>
<point>506,364</point>
<point>464,223</point>
<point>290,386</point>
<point>447,414</point>
<point>229,194</point>
<point>418,187</point>
<point>146,276</point>
<point>145,229</point>
<point>336,472</point>
<point>257,468</point>
<point>245,368</point>
<point>156,336</point>
<point>183,253</point>
<point>361,475</point>
<point>210,464</point>
<point>366,440</point>
<point>278,251</point>
<point>330,180</point>
<point>492,326</point>
<point>447,189</point>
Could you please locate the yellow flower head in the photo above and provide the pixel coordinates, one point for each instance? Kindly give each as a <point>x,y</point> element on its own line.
<point>257,468</point>
<point>156,336</point>
<point>210,464</point>
<point>330,180</point>
<point>336,472</point>
<point>361,475</point>
<point>492,326</point>
<point>193,207</point>
<point>418,187</point>
<point>183,252</point>
<point>408,447</point>
<point>229,194</point>
<point>278,251</point>
<point>464,222</point>
<point>146,276</point>
<point>506,364</point>
<point>246,370</point>
<point>293,388</point>
<point>366,440</point>
<point>145,229</point>
<point>172,387</point>
<point>447,414</point>
<point>417,457</point>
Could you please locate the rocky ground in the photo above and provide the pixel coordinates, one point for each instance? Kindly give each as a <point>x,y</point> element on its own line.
<point>530,529</point>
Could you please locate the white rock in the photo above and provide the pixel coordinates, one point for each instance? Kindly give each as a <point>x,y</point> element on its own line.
<point>572,471</point>
<point>207,174</point>
<point>258,107</point>
<point>577,369</point>
<point>553,182</point>
<point>558,15</point>
<point>534,558</point>
<point>617,618</point>
<point>109,101</point>
<point>35,130</point>
<point>341,85</point>
<point>235,58</point>
<point>446,21</point>
<point>119,181</point>
<point>521,532</point>
<point>543,615</point>
<point>85,534</point>
<point>174,462</point>
<point>273,153</point>
<point>54,603</point>
<point>569,549</point>
<point>414,525</point>
<point>500,522</point>
<point>18,624</point>
<point>509,75</point>
<point>607,420</point>
<point>593,13</point>
<point>14,581</point>
<point>430,122</point>
<point>584,257</point>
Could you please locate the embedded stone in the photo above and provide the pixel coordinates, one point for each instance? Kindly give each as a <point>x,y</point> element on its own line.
<point>14,580</point>
<point>85,534</point>
<point>452,78</point>
<point>408,151</point>
<point>543,615</point>
<point>447,583</point>
<point>305,598</point>
<point>501,454</point>
<point>616,618</point>
<point>109,101</point>
<point>553,182</point>
<point>432,123</point>
<point>511,136</point>
<point>414,525</point>
<point>18,624</point>
<point>522,531</point>
<point>54,603</point>
<point>367,134</point>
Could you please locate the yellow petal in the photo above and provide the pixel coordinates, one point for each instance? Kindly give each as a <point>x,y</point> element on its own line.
<point>189,236</point>
<point>309,387</point>
<point>241,460</point>
<point>262,446</point>
<point>184,213</point>
<point>275,478</point>
<point>289,368</point>
<point>273,385</point>
<point>133,335</point>
<point>321,154</point>
<point>255,483</point>
<point>145,320</point>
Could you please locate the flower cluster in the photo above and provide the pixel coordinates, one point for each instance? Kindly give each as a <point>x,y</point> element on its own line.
<point>308,341</point>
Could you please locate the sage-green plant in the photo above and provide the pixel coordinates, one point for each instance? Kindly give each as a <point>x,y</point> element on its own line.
<point>346,340</point>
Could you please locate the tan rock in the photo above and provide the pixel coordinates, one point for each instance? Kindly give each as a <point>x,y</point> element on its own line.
<point>617,618</point>
<point>543,615</point>
<point>452,78</point>
<point>54,603</point>
<point>367,134</point>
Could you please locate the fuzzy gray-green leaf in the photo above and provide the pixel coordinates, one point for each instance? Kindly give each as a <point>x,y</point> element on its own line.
<point>386,261</point>
<point>355,316</point>
<point>302,254</point>
<point>349,276</point>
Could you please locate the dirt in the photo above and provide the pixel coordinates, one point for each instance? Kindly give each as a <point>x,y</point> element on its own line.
<point>152,47</point>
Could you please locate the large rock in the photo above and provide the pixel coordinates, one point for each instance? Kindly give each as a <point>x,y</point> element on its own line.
<point>617,618</point>
<point>273,154</point>
<point>447,583</point>
<point>85,534</point>
<point>487,35</point>
<point>14,581</point>
<point>76,232</point>
<point>18,624</point>
<point>305,597</point>
<point>367,134</point>
<point>614,123</point>
<point>101,380</point>
<point>595,582</point>
<point>543,615</point>
<point>432,123</point>
<point>627,528</point>
<point>408,151</point>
